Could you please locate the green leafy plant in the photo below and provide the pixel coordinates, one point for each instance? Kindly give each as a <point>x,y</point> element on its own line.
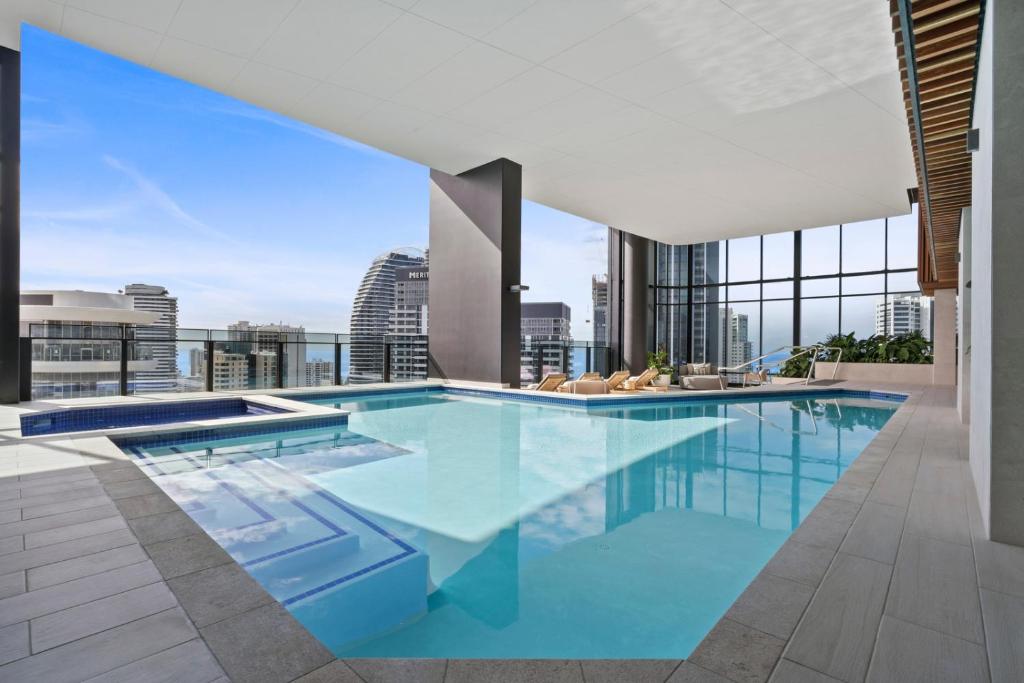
<point>658,360</point>
<point>911,348</point>
<point>796,366</point>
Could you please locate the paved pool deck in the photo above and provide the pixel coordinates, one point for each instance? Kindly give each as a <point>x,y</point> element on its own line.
<point>104,578</point>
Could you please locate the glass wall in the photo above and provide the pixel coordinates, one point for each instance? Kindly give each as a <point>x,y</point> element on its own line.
<point>732,301</point>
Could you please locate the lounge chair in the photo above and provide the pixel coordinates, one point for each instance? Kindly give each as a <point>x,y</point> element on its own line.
<point>616,379</point>
<point>689,379</point>
<point>550,382</point>
<point>639,381</point>
<point>567,388</point>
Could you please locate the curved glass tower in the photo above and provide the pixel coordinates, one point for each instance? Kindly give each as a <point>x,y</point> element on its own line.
<point>372,309</point>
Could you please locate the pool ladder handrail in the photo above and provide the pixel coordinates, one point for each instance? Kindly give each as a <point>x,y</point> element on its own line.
<point>815,349</point>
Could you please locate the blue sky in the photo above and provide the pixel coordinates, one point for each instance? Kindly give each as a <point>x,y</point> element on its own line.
<point>129,175</point>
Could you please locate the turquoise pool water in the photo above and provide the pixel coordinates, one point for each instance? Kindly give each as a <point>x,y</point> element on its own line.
<point>442,525</point>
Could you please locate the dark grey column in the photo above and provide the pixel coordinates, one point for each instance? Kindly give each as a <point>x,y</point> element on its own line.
<point>636,304</point>
<point>629,305</point>
<point>475,229</point>
<point>615,297</point>
<point>10,219</point>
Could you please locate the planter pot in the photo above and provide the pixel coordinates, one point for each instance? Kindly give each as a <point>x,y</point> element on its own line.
<point>876,372</point>
<point>662,381</point>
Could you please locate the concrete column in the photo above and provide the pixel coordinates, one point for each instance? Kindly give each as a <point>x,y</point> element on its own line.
<point>635,302</point>
<point>997,278</point>
<point>944,337</point>
<point>475,229</point>
<point>10,222</point>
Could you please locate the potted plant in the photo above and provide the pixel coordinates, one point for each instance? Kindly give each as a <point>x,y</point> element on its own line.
<point>658,360</point>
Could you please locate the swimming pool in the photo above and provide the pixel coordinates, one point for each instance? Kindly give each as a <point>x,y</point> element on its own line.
<point>444,525</point>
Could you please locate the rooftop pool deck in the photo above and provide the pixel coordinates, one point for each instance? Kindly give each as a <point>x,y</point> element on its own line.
<point>907,495</point>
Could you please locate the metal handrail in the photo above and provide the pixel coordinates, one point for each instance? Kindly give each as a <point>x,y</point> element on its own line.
<point>817,349</point>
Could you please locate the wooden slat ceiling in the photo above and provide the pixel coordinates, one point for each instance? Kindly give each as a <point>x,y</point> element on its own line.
<point>945,37</point>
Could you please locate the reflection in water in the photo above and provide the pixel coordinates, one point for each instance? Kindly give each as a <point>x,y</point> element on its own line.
<point>441,527</point>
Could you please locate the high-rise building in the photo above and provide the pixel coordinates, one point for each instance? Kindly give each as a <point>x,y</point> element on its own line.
<point>736,348</point>
<point>371,312</point>
<point>76,345</point>
<point>257,339</point>
<point>230,370</point>
<point>319,372</point>
<point>903,313</point>
<point>599,296</point>
<point>407,326</point>
<point>162,336</point>
<point>545,332</point>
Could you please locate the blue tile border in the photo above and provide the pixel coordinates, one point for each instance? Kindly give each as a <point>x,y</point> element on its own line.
<point>80,419</point>
<point>187,435</point>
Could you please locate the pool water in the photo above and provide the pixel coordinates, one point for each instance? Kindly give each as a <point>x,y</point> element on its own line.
<point>443,525</point>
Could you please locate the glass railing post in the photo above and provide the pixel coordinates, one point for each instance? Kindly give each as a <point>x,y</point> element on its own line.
<point>337,362</point>
<point>25,369</point>
<point>123,385</point>
<point>209,364</point>
<point>565,359</point>
<point>387,362</point>
<point>590,359</point>
<point>280,364</point>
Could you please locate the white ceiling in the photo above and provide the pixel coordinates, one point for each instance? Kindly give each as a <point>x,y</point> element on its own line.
<point>681,120</point>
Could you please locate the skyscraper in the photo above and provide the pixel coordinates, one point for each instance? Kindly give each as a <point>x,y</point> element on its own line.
<point>407,325</point>
<point>371,312</point>
<point>734,333</point>
<point>260,343</point>
<point>546,329</point>
<point>903,313</point>
<point>163,335</point>
<point>599,295</point>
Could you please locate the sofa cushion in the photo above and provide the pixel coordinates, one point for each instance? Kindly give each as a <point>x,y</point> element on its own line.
<point>702,369</point>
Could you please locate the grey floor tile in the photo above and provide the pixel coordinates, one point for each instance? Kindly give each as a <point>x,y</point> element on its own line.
<point>97,654</point>
<point>399,670</point>
<point>838,630</point>
<point>688,672</point>
<point>1000,566</point>
<point>514,671</point>
<point>827,524</point>
<point>45,487</point>
<point>51,498</point>
<point>854,493</point>
<point>190,662</point>
<point>265,644</point>
<point>122,474</point>
<point>738,652</point>
<point>13,643</point>
<point>12,584</point>
<point>8,516</point>
<point>637,670</point>
<point>909,653</point>
<point>187,554</point>
<point>65,506</point>
<point>67,533</point>
<point>26,606</point>
<point>58,628</point>
<point>163,527</point>
<point>895,483</point>
<point>58,552</point>
<point>140,506</point>
<point>218,593</point>
<point>132,487</point>
<point>935,586</point>
<point>791,672</point>
<point>335,672</point>
<point>59,572</point>
<point>942,480</point>
<point>938,516</point>
<point>771,604</point>
<point>796,561</point>
<point>12,544</point>
<point>876,532</point>
<point>1004,631</point>
<point>37,524</point>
